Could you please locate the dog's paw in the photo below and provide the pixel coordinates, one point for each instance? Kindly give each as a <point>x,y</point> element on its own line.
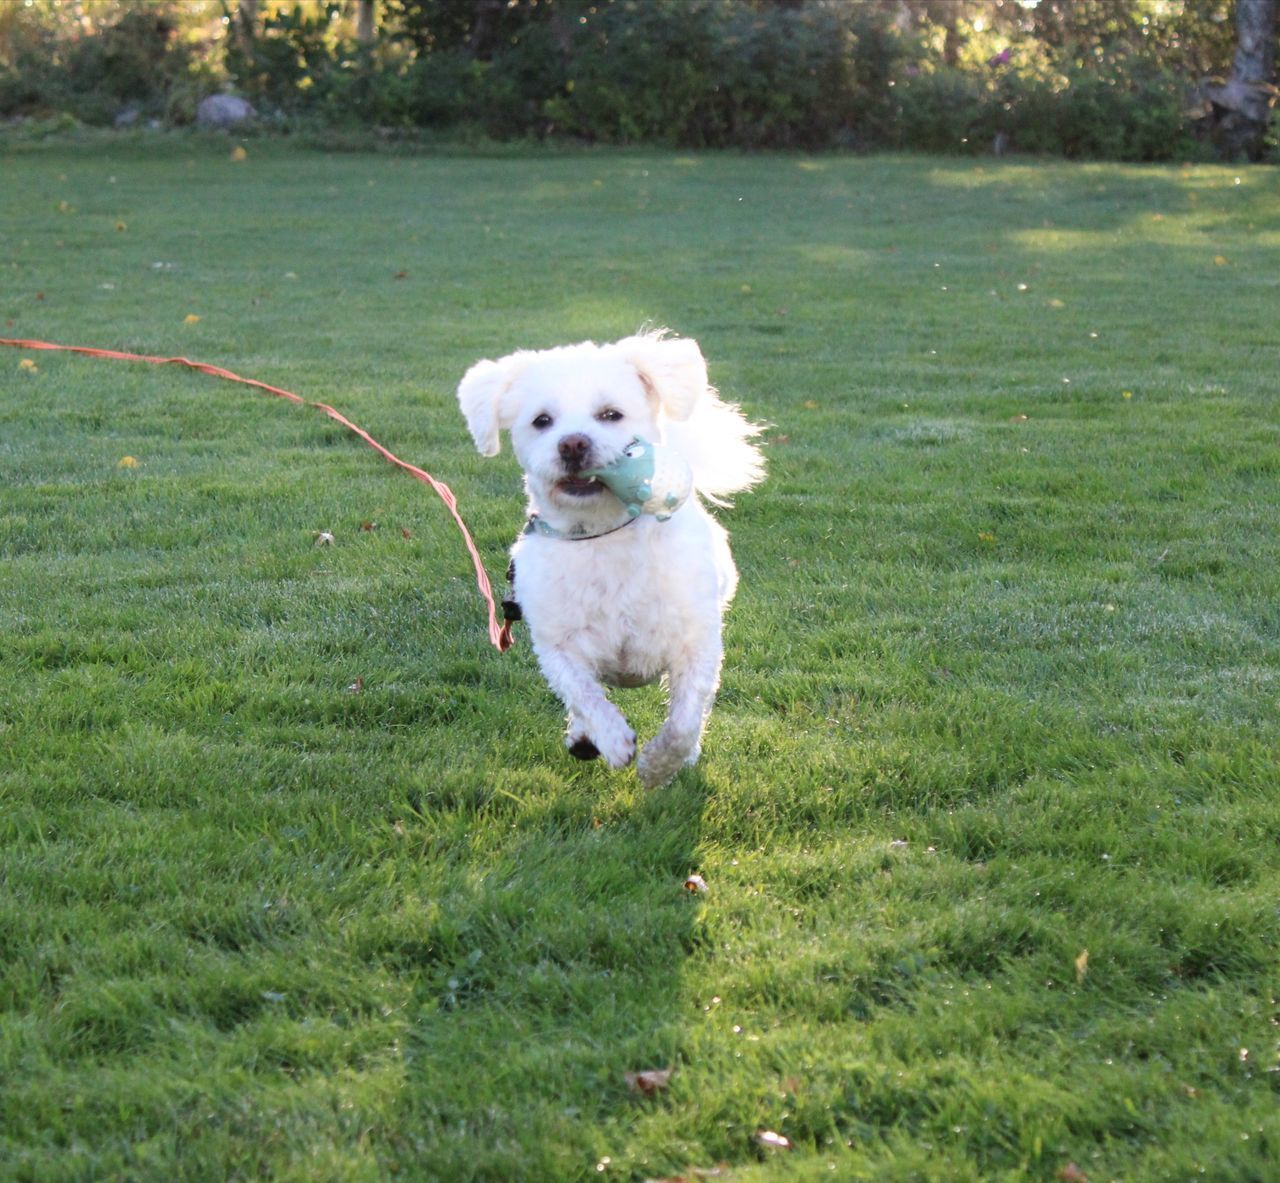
<point>581,748</point>
<point>616,743</point>
<point>659,762</point>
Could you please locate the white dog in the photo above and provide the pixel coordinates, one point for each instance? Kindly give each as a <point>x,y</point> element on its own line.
<point>610,594</point>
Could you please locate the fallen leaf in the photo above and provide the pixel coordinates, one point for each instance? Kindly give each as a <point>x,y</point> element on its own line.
<point>696,884</point>
<point>368,527</point>
<point>1056,303</point>
<point>127,462</point>
<point>1082,965</point>
<point>1219,260</point>
<point>191,319</point>
<point>30,366</point>
<point>238,153</point>
<point>356,687</point>
<point>406,532</point>
<point>120,226</point>
<point>650,1081</point>
<point>1071,1174</point>
<point>1191,1091</point>
<point>1019,418</point>
<point>402,275</point>
<point>772,1141</point>
<point>984,536</point>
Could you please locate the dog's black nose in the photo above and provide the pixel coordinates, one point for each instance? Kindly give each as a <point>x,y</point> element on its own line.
<point>574,449</point>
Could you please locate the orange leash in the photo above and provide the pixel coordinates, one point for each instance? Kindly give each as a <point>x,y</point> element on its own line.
<point>499,635</point>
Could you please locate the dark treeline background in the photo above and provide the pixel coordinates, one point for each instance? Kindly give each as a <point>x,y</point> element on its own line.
<point>1120,79</point>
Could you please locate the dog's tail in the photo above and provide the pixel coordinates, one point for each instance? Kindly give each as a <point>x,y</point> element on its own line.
<point>716,440</point>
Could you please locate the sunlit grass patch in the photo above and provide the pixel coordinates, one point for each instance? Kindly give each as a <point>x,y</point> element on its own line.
<point>296,879</point>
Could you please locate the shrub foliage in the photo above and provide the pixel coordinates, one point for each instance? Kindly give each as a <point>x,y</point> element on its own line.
<point>1079,78</point>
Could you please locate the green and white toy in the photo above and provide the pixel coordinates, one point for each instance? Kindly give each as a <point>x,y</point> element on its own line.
<point>647,478</point>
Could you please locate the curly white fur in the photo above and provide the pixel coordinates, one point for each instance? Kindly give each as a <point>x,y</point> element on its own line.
<point>609,600</point>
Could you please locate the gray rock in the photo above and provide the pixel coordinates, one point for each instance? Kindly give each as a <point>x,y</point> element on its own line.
<point>223,111</point>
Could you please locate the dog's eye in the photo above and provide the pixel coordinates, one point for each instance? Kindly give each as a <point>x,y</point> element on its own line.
<point>610,415</point>
<point>542,422</point>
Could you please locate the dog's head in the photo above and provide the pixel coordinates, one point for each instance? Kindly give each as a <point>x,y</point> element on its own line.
<point>573,409</point>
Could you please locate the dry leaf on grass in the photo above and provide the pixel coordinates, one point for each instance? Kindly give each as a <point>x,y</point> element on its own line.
<point>650,1081</point>
<point>1071,1174</point>
<point>696,884</point>
<point>1082,966</point>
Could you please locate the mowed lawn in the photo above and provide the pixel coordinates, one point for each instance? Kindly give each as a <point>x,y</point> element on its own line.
<point>296,880</point>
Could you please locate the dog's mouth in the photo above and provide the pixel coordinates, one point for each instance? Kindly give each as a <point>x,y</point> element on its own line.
<point>579,486</point>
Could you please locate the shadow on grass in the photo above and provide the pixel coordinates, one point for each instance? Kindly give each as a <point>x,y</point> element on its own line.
<point>551,967</point>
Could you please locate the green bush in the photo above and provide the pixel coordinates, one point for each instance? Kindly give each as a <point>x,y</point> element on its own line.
<point>705,73</point>
<point>945,110</point>
<point>641,72</point>
<point>439,90</point>
<point>1090,81</point>
<point>136,62</point>
<point>1136,114</point>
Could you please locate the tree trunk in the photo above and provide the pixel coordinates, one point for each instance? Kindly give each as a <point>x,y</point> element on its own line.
<point>365,25</point>
<point>245,26</point>
<point>1240,107</point>
<point>247,17</point>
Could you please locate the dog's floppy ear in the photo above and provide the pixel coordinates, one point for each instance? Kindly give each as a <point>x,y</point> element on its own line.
<point>480,395</point>
<point>673,368</point>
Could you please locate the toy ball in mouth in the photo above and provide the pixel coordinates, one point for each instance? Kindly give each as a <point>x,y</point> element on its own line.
<point>647,478</point>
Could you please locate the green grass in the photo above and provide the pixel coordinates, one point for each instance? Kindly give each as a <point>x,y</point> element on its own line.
<point>1001,682</point>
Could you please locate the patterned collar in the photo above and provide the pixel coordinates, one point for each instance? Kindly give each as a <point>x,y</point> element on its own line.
<point>536,525</point>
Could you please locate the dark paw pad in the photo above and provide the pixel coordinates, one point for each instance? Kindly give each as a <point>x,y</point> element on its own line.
<point>583,749</point>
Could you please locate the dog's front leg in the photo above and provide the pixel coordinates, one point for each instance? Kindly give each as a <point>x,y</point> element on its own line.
<point>692,688</point>
<point>592,717</point>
